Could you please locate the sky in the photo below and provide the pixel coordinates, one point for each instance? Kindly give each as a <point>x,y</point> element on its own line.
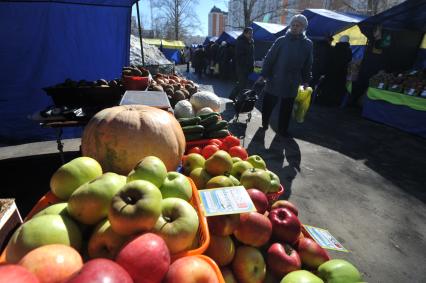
<point>202,9</point>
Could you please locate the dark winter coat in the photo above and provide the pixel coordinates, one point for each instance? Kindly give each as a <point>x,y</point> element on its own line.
<point>244,55</point>
<point>287,64</point>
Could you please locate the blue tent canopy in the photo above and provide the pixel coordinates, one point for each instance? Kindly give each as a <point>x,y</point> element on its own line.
<point>209,39</point>
<point>229,36</point>
<point>45,42</point>
<point>409,15</point>
<point>266,31</point>
<point>324,23</point>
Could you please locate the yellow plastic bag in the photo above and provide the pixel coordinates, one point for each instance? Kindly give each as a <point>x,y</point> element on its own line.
<point>301,103</point>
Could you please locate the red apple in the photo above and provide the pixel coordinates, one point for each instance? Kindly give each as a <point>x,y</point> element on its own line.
<point>146,258</point>
<point>191,269</point>
<point>52,263</point>
<point>223,225</point>
<point>285,204</point>
<point>227,275</point>
<point>221,249</point>
<point>286,227</point>
<point>248,265</point>
<point>311,254</point>
<point>282,259</point>
<point>259,199</point>
<point>254,229</point>
<point>16,274</point>
<point>101,270</point>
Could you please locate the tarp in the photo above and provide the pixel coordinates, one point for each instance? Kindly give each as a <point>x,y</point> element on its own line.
<point>398,116</point>
<point>414,102</point>
<point>170,48</point>
<point>409,15</point>
<point>324,23</point>
<point>421,55</point>
<point>229,36</point>
<point>266,31</point>
<point>209,39</point>
<point>43,43</point>
<point>357,40</point>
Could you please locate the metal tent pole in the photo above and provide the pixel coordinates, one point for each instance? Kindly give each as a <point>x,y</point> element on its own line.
<point>140,32</point>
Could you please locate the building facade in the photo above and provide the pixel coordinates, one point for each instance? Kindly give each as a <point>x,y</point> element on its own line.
<point>217,21</point>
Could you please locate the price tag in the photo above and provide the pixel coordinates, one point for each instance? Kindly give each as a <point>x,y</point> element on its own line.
<point>394,87</point>
<point>381,85</point>
<point>226,200</point>
<point>324,238</point>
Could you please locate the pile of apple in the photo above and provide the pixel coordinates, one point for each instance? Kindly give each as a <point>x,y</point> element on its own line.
<point>110,227</point>
<point>269,246</point>
<point>263,246</point>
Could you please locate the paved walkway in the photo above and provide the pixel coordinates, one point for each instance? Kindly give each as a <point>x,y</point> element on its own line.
<point>363,181</point>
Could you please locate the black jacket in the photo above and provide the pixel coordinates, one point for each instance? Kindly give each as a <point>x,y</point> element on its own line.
<point>244,54</point>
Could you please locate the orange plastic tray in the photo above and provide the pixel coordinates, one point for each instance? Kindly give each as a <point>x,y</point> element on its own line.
<point>203,236</point>
<point>216,268</point>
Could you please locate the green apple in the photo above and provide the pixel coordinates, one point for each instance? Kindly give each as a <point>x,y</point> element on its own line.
<point>177,225</point>
<point>135,208</point>
<point>220,163</point>
<point>339,271</point>
<point>89,204</point>
<point>302,276</point>
<point>236,159</point>
<point>59,208</point>
<point>150,169</point>
<point>219,182</point>
<point>234,180</point>
<point>239,167</point>
<point>257,179</point>
<point>104,242</point>
<point>176,185</point>
<point>257,161</point>
<point>275,182</point>
<point>192,161</point>
<point>249,265</point>
<point>40,231</point>
<point>72,175</point>
<point>200,177</point>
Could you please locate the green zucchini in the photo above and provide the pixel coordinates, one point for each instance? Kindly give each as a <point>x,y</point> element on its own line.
<point>217,134</point>
<point>204,116</point>
<point>193,136</point>
<point>220,125</point>
<point>193,129</point>
<point>189,121</point>
<point>209,121</point>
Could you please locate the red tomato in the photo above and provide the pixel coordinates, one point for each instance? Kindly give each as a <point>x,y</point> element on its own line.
<point>238,151</point>
<point>216,142</point>
<point>209,150</point>
<point>231,141</point>
<point>196,149</point>
<point>224,147</point>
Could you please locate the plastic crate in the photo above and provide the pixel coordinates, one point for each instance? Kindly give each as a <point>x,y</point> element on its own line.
<point>273,197</point>
<point>215,267</point>
<point>199,246</point>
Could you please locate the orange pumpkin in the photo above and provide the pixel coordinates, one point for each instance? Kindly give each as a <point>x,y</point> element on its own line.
<point>119,137</point>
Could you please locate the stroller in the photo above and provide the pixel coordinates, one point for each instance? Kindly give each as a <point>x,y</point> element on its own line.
<point>246,100</point>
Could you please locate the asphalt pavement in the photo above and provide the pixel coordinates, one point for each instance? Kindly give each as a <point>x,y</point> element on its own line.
<point>362,181</point>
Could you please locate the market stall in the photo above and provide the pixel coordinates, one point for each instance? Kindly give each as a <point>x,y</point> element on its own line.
<point>264,35</point>
<point>396,87</point>
<point>45,42</point>
<point>229,36</point>
<point>170,48</point>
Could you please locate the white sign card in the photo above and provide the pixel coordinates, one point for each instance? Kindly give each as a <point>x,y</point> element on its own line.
<point>324,239</point>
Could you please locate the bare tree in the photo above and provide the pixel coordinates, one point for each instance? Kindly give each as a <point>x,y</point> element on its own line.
<point>177,17</point>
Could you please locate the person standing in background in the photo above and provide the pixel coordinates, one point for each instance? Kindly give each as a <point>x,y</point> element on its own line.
<point>187,57</point>
<point>244,61</point>
<point>287,65</point>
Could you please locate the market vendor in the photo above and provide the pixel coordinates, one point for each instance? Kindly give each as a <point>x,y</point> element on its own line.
<point>287,65</point>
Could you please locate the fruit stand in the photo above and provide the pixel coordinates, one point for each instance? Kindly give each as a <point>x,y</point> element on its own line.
<point>133,207</point>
